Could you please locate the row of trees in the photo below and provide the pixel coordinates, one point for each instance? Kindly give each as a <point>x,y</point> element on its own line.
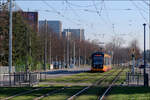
<point>31,49</point>
<point>62,49</point>
<point>21,41</point>
<point>123,54</point>
<point>34,49</point>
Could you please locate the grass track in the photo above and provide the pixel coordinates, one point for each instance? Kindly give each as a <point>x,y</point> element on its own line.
<point>95,91</point>
<point>74,89</point>
<point>86,77</point>
<point>129,93</point>
<point>6,92</point>
<point>63,95</point>
<point>35,94</point>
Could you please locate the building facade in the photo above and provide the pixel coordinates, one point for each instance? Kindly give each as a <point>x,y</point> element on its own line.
<point>77,34</point>
<point>31,19</point>
<point>55,26</point>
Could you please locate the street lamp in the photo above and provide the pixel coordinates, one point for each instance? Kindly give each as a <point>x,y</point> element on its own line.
<point>145,75</point>
<point>68,35</point>
<point>10,40</point>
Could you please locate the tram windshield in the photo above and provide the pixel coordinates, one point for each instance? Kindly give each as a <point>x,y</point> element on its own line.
<point>98,60</point>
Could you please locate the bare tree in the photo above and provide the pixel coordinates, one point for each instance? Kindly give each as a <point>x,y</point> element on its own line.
<point>134,49</point>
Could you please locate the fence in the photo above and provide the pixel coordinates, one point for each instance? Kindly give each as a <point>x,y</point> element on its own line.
<point>134,79</point>
<point>137,78</point>
<point>21,79</point>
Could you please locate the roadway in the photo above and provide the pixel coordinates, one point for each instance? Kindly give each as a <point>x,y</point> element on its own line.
<point>65,72</point>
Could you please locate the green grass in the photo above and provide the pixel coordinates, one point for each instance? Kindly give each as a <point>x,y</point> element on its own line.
<point>122,77</point>
<point>95,91</point>
<point>129,93</point>
<point>6,92</point>
<point>64,94</point>
<point>87,77</point>
<point>35,94</point>
<point>78,78</point>
<point>91,94</point>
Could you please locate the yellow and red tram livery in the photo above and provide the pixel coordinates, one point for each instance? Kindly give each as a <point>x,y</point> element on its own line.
<point>101,62</point>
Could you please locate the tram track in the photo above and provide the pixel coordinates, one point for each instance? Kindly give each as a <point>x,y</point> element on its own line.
<point>101,97</point>
<point>23,93</point>
<point>59,90</point>
<point>88,87</point>
<point>49,93</point>
<point>34,90</point>
<point>99,84</point>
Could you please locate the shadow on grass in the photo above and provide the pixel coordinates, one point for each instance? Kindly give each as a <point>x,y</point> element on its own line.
<point>9,91</point>
<point>130,90</point>
<point>67,92</point>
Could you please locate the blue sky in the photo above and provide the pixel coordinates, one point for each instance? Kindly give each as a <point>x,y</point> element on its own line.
<point>96,17</point>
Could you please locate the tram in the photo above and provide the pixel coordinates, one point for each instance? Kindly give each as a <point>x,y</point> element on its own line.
<point>101,62</point>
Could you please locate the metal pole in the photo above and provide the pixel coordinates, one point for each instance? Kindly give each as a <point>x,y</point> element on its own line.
<point>45,48</point>
<point>74,54</point>
<point>144,55</point>
<point>10,40</point>
<point>79,56</point>
<point>133,62</point>
<point>67,48</point>
<point>64,56</point>
<point>85,57</point>
<point>149,28</point>
<point>50,51</point>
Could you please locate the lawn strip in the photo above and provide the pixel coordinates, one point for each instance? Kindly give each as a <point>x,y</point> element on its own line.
<point>94,92</point>
<point>122,77</point>
<point>64,94</point>
<point>37,93</point>
<point>79,78</point>
<point>7,92</point>
<point>91,94</point>
<point>129,93</point>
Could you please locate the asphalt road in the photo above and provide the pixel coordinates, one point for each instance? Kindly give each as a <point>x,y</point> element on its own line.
<point>64,72</point>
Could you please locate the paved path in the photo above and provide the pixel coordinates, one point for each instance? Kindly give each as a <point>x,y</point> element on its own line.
<point>67,84</point>
<point>65,72</point>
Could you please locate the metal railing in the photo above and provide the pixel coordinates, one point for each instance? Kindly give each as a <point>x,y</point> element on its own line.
<point>134,79</point>
<point>21,79</point>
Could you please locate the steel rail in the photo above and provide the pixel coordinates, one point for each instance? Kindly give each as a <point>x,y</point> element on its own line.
<point>22,93</point>
<point>86,88</point>
<point>37,89</point>
<point>110,86</point>
<point>51,92</point>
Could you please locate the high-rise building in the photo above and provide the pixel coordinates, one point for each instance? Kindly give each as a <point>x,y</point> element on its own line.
<point>55,26</point>
<point>75,33</point>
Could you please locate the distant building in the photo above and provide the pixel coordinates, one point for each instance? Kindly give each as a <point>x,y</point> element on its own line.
<point>32,19</point>
<point>55,26</point>
<point>75,33</point>
<point>67,34</point>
